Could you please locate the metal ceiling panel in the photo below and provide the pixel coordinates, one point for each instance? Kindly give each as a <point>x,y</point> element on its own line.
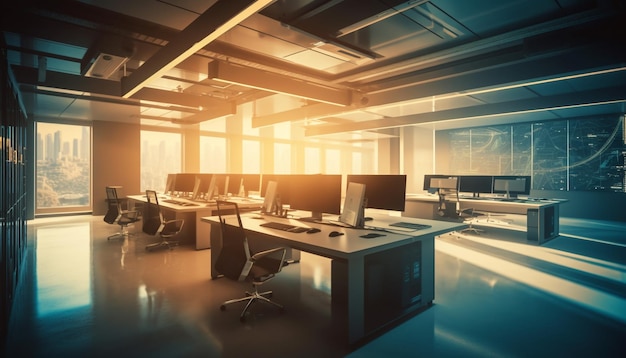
<point>384,58</point>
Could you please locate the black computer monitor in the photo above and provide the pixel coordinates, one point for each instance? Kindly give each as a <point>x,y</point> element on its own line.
<point>382,191</point>
<point>283,184</point>
<point>251,182</point>
<point>475,184</point>
<point>222,183</point>
<point>184,182</point>
<point>317,193</point>
<point>511,185</point>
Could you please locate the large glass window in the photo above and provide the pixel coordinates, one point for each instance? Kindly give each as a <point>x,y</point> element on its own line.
<point>160,155</point>
<point>213,154</point>
<point>311,160</point>
<point>63,168</point>
<point>282,158</point>
<point>577,154</point>
<point>251,153</point>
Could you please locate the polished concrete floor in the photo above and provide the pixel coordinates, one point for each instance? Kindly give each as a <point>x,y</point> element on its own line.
<point>496,296</point>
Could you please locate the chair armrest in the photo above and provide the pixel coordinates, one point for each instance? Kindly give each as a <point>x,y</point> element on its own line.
<point>262,254</point>
<point>177,223</point>
<point>131,214</point>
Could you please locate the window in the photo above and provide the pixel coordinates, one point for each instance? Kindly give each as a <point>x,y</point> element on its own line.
<point>212,154</point>
<point>282,158</point>
<point>311,160</point>
<point>160,155</point>
<point>63,168</point>
<point>251,153</point>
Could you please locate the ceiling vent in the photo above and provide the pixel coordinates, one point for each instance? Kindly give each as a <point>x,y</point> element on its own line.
<point>105,58</point>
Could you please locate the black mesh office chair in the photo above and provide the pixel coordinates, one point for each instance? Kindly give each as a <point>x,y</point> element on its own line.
<point>155,224</point>
<point>236,262</point>
<point>117,215</point>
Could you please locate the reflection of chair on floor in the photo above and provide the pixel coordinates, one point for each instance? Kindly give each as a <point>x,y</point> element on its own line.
<point>468,217</point>
<point>117,215</point>
<point>236,262</point>
<point>155,224</point>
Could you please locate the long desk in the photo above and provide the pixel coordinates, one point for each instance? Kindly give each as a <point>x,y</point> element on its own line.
<point>541,216</point>
<point>194,231</point>
<point>375,281</point>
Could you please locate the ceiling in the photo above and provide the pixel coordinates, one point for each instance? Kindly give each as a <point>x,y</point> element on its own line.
<point>331,66</point>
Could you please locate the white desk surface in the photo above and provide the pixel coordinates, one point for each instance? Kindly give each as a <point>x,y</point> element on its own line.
<point>531,203</point>
<point>196,205</point>
<point>350,243</point>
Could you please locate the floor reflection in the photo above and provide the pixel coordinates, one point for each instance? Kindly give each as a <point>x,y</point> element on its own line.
<point>83,295</point>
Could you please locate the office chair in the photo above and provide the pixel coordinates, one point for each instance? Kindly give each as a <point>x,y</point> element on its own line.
<point>238,263</point>
<point>117,215</point>
<point>467,215</point>
<point>155,224</point>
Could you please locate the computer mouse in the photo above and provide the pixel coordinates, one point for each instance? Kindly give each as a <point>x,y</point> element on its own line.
<point>335,233</point>
<point>313,230</point>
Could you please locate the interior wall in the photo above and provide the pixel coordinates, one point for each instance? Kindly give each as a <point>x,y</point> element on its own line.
<point>116,160</point>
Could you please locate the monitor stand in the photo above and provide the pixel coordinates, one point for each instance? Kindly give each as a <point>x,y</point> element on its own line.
<point>316,217</point>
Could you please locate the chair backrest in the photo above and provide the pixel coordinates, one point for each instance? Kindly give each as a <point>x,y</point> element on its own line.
<point>235,250</point>
<point>152,217</point>
<point>114,206</point>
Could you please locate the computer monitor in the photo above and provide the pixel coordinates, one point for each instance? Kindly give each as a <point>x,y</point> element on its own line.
<point>170,184</point>
<point>196,188</point>
<point>210,192</point>
<point>353,206</point>
<point>184,183</point>
<point>383,191</point>
<point>269,201</point>
<point>222,183</point>
<point>475,184</point>
<point>283,190</point>
<point>318,193</point>
<point>445,183</point>
<point>428,177</point>
<point>251,182</point>
<point>511,185</point>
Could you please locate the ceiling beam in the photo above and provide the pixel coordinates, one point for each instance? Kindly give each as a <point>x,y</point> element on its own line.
<point>468,77</point>
<point>315,110</point>
<point>219,18</point>
<point>179,98</point>
<point>562,101</point>
<point>28,76</point>
<point>278,83</point>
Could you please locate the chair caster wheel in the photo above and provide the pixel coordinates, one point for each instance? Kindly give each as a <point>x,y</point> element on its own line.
<point>222,308</point>
<point>242,319</point>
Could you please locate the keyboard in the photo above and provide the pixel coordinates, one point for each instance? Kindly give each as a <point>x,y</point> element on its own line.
<point>178,202</point>
<point>284,227</point>
<point>413,226</point>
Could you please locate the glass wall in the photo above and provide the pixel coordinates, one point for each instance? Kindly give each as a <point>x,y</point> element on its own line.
<point>213,154</point>
<point>160,155</point>
<point>576,154</point>
<point>63,168</point>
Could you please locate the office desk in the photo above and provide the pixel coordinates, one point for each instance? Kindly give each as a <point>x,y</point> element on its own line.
<point>542,216</point>
<point>376,282</point>
<point>194,231</point>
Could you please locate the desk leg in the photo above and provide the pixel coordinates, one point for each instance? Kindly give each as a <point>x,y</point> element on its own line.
<point>356,302</point>
<point>216,247</point>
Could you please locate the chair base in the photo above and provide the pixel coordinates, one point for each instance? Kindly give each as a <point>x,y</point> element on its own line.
<point>252,297</point>
<point>161,245</point>
<point>472,230</point>
<point>120,235</point>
